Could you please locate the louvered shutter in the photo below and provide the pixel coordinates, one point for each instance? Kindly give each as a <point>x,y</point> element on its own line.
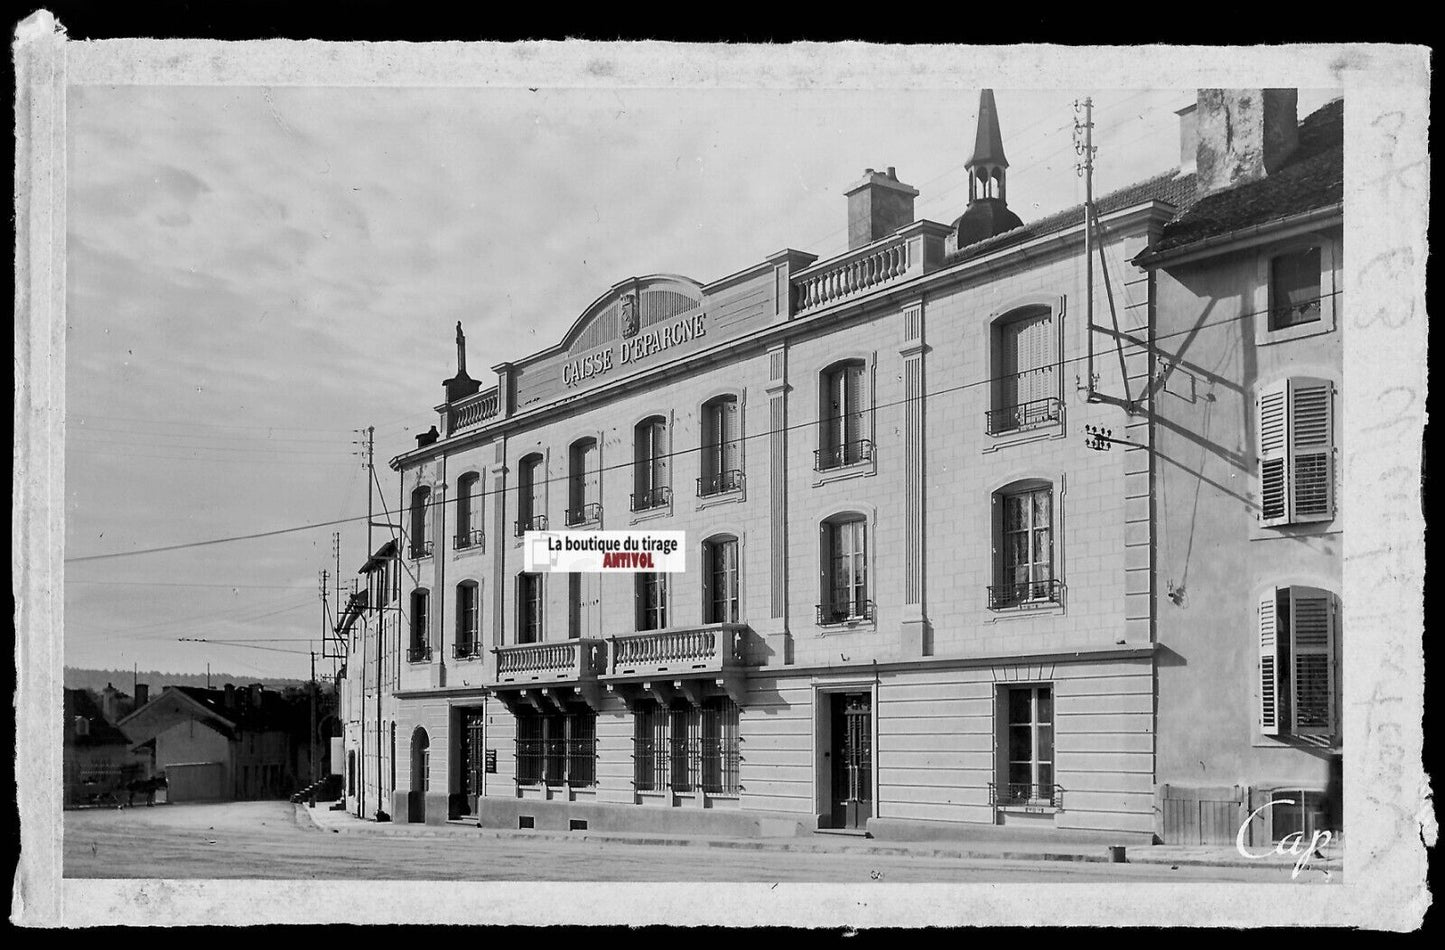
<point>1311,451</point>
<point>1269,664</point>
<point>1273,406</point>
<point>1009,366</point>
<point>1312,624</point>
<point>852,404</point>
<point>730,435</point>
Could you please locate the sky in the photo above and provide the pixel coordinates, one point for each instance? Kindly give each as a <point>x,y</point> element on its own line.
<point>254,274</point>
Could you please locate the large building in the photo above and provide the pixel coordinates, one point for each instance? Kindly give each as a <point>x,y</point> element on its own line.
<point>923,518</point>
<point>366,685</point>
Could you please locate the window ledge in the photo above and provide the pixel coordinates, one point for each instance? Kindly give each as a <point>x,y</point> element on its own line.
<point>863,469</point>
<point>1024,435</point>
<point>1047,608</point>
<point>721,498</point>
<point>847,626</point>
<point>1265,336</point>
<point>650,514</point>
<point>1028,808</point>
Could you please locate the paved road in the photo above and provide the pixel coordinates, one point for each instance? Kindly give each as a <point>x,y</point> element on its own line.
<point>269,840</point>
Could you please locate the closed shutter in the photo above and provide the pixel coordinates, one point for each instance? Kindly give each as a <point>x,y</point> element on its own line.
<point>1268,664</point>
<point>1311,450</point>
<point>852,404</point>
<point>729,435</point>
<point>1273,404</point>
<point>1009,366</point>
<point>1312,624</point>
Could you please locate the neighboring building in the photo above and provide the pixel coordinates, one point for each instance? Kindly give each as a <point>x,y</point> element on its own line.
<point>98,758</point>
<point>1250,322</point>
<point>367,686</point>
<point>222,744</point>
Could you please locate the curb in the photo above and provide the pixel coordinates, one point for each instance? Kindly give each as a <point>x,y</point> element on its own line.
<point>803,847</point>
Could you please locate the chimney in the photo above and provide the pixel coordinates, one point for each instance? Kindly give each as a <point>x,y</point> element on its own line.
<point>1188,137</point>
<point>878,205</point>
<point>142,695</point>
<point>427,437</point>
<point>230,696</point>
<point>1244,134</point>
<point>109,702</point>
<point>257,691</point>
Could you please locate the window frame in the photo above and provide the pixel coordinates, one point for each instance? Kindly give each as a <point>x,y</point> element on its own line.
<point>1277,675</point>
<point>1264,334</point>
<point>584,483</point>
<point>531,607</point>
<point>1280,421</point>
<point>858,552</point>
<point>420,647</point>
<point>469,515</point>
<point>531,493</point>
<point>713,457</point>
<point>1000,601</point>
<point>651,466</point>
<point>1052,424</point>
<point>650,617</point>
<point>1043,791</point>
<point>732,579</point>
<point>703,760</point>
<point>468,634</point>
<point>420,545</point>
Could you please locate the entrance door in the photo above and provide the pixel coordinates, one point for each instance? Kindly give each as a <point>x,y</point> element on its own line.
<point>473,759</point>
<point>852,759</point>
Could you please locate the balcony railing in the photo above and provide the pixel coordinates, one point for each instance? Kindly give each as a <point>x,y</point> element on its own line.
<point>473,410</point>
<point>467,539</point>
<point>562,661</point>
<point>418,654</point>
<point>420,549</point>
<point>851,274</point>
<point>720,482</point>
<point>677,649</point>
<point>838,456</point>
<point>467,649</point>
<point>1026,793</point>
<point>1026,415</point>
<point>1025,594</point>
<point>585,514</point>
<point>857,612</point>
<point>534,523</point>
<point>651,498</point>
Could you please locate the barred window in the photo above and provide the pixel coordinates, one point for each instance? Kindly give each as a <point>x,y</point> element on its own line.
<point>686,748</point>
<point>557,748</point>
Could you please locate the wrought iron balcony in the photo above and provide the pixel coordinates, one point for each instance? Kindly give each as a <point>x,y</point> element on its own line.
<point>420,549</point>
<point>705,648</point>
<point>857,612</point>
<point>1025,594</point>
<point>838,456</point>
<point>418,653</point>
<point>651,498</point>
<point>586,514</point>
<point>467,649</point>
<point>467,539</point>
<point>1025,415</point>
<point>1026,793</point>
<point>561,661</point>
<point>720,482</point>
<point>534,523</point>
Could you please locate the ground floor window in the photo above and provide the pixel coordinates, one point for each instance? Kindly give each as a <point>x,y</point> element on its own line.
<point>685,747</point>
<point>557,748</point>
<point>1029,738</point>
<point>1299,812</point>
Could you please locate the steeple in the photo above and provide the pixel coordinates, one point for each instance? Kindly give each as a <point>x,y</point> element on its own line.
<point>987,213</point>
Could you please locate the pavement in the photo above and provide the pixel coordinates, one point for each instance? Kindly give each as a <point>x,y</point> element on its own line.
<point>992,847</point>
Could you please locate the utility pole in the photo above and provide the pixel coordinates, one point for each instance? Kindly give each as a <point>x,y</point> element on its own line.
<point>1085,150</point>
<point>314,776</point>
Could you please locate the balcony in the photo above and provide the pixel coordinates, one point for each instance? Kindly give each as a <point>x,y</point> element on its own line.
<point>1026,794</point>
<point>419,550</point>
<point>720,482</point>
<point>833,616</point>
<point>840,456</point>
<point>418,654</point>
<point>651,498</point>
<point>472,410</point>
<point>708,648</point>
<point>559,662</point>
<point>1025,594</point>
<point>467,540</point>
<point>467,649</point>
<point>534,523</point>
<point>1026,415</point>
<point>584,514</point>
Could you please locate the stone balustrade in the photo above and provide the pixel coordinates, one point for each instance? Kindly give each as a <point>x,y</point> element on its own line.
<point>473,410</point>
<point>677,650</point>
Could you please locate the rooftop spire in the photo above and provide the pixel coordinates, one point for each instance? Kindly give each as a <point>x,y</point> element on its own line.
<point>988,145</point>
<point>987,213</point>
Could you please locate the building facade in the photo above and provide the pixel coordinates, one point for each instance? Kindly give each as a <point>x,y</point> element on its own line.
<point>923,515</point>
<point>367,683</point>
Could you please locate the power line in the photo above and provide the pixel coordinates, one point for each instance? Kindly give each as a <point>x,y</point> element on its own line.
<point>948,390</point>
<point>69,581</point>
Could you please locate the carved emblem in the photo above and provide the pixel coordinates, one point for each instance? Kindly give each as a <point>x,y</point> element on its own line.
<point>630,321</point>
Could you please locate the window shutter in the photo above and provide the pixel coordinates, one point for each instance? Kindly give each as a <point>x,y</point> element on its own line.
<point>1009,365</point>
<point>1268,665</point>
<point>1311,460</point>
<point>852,403</point>
<point>1273,454</point>
<point>1311,633</point>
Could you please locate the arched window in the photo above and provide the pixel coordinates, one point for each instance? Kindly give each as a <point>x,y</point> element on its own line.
<point>420,761</point>
<point>720,579</point>
<point>1025,572</point>
<point>721,447</point>
<point>844,558</point>
<point>530,484</point>
<point>584,504</point>
<point>650,484</point>
<point>421,537</point>
<point>469,512</point>
<point>469,605</point>
<point>1026,379</point>
<point>420,650</point>
<point>351,774</point>
<point>841,406</point>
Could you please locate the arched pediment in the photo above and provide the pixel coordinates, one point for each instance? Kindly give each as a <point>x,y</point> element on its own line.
<point>629,307</point>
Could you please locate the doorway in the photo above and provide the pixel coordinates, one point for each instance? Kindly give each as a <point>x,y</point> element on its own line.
<point>473,760</point>
<point>851,752</point>
<point>420,775</point>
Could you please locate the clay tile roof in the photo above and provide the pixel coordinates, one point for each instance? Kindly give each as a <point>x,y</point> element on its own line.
<point>79,702</point>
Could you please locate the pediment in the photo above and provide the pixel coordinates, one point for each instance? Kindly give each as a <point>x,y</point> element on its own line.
<point>630,307</point>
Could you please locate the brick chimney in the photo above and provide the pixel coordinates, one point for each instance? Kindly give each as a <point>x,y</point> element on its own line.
<point>142,694</point>
<point>230,700</point>
<point>1188,137</point>
<point>257,693</point>
<point>878,205</point>
<point>1244,134</point>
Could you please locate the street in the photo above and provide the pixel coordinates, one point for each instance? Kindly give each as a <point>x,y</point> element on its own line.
<point>271,840</point>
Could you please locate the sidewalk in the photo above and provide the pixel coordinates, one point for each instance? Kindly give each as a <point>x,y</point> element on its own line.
<point>341,822</point>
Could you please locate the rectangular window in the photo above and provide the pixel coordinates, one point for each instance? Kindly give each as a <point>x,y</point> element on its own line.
<point>649,474</point>
<point>721,447</point>
<point>583,500</point>
<point>468,612</point>
<point>686,748</point>
<point>1027,384</point>
<point>1026,548</point>
<point>1294,288</point>
<point>1030,739</point>
<point>469,512</point>
<point>651,601</point>
<point>721,602</point>
<point>841,440</point>
<point>845,553</point>
<point>1298,633</point>
<point>420,626</point>
<point>530,506</point>
<point>557,748</point>
<point>1296,451</point>
<point>529,607</point>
